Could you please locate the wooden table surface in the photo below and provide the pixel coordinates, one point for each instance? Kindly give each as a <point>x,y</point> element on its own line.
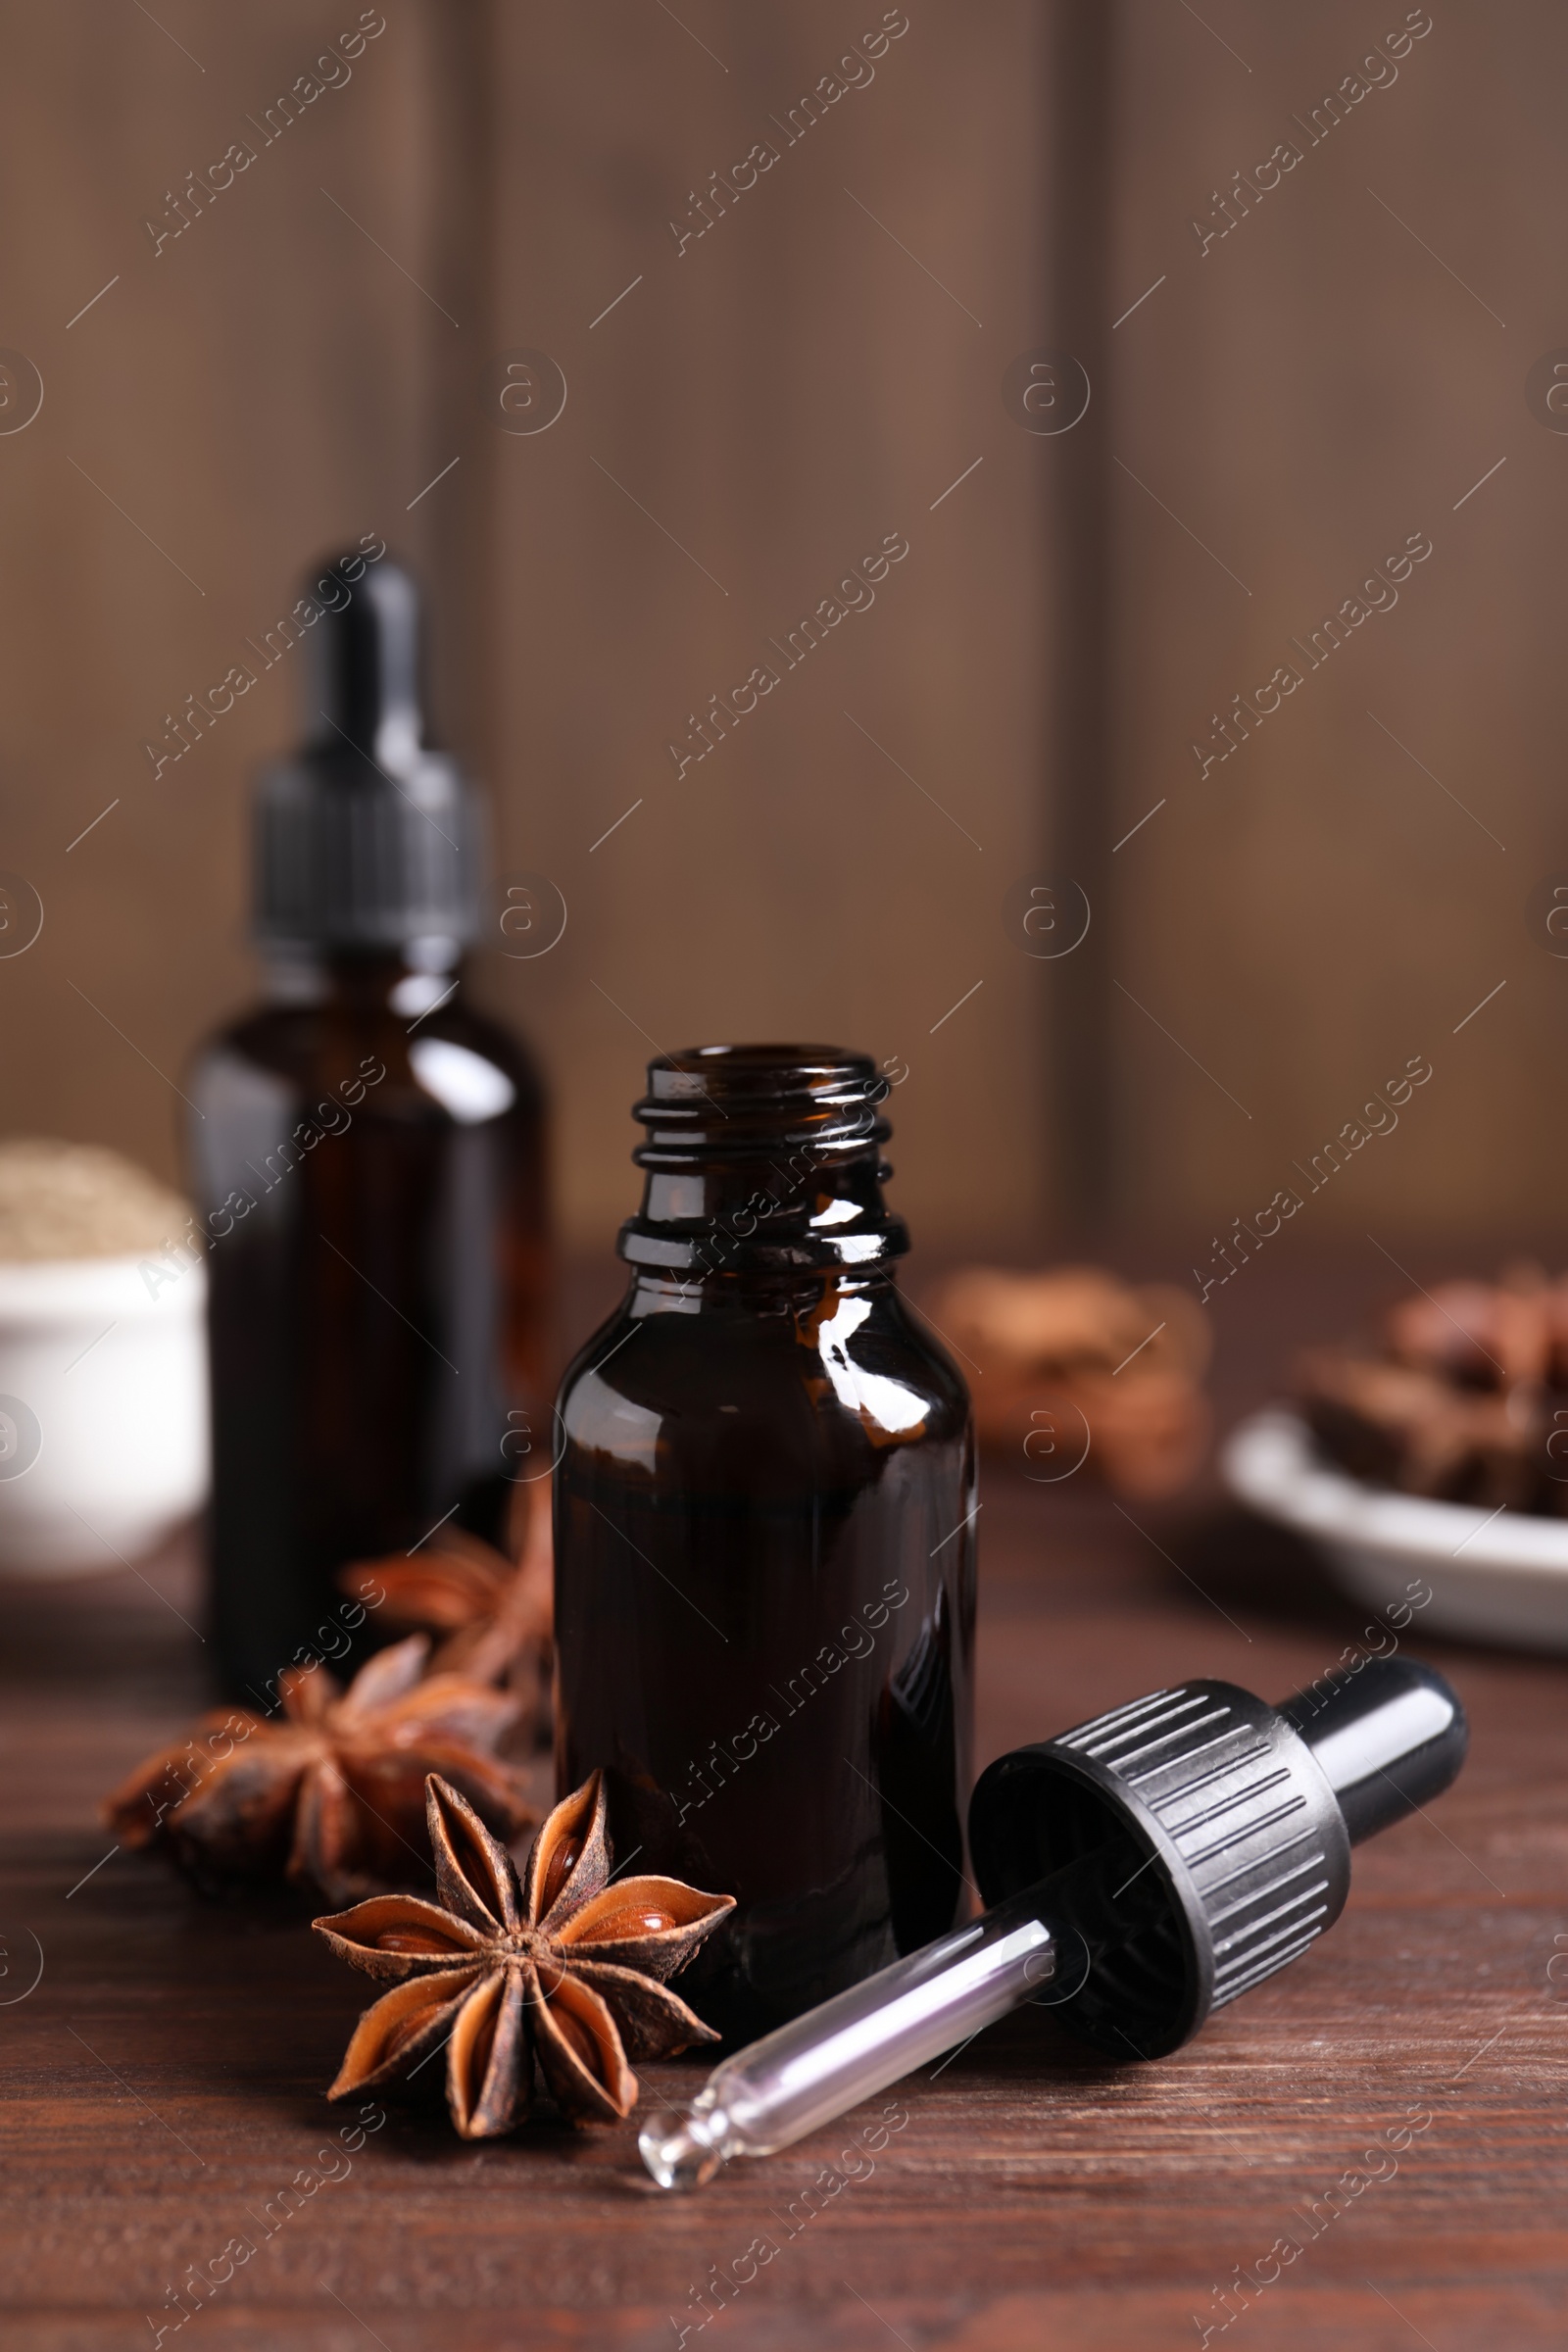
<point>160,2084</point>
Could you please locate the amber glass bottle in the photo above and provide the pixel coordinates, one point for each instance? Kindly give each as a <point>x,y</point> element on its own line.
<point>367,1163</point>
<point>765,1529</point>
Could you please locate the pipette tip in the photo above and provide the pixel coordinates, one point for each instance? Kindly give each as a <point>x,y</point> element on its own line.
<point>687,2151</point>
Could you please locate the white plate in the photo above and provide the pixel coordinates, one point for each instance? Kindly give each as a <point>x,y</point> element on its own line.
<point>1494,1577</point>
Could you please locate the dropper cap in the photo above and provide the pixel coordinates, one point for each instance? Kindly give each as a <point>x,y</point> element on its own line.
<point>366,841</point>
<point>1139,1871</point>
<point>1234,1821</point>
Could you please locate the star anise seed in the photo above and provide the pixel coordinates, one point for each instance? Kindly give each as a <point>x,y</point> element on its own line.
<point>333,1794</point>
<point>565,1967</point>
<point>496,1613</point>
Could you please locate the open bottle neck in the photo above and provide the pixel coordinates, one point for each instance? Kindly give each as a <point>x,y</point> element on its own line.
<point>763,1160</point>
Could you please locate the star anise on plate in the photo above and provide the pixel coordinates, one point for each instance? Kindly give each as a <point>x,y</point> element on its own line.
<point>565,1966</point>
<point>1460,1396</point>
<point>333,1794</point>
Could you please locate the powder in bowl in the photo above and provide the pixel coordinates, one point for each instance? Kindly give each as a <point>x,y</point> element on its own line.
<point>73,1201</point>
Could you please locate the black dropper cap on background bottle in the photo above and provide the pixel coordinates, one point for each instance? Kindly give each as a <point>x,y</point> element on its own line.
<point>366,841</point>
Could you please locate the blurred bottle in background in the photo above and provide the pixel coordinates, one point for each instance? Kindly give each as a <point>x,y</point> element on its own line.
<point>369,1164</point>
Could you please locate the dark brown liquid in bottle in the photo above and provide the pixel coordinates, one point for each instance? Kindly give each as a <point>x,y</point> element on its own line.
<point>378,1275</point>
<point>764,1541</point>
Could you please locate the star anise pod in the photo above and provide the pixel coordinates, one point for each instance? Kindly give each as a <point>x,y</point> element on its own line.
<point>1074,1357</point>
<point>333,1794</point>
<point>496,1613</point>
<point>563,1966</point>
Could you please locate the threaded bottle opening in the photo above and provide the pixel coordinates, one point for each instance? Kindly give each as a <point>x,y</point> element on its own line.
<point>762,1158</point>
<point>728,1101</point>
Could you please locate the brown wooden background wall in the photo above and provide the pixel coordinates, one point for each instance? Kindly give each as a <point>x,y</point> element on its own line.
<point>1304,394</point>
<point>246,396</point>
<point>812,373</point>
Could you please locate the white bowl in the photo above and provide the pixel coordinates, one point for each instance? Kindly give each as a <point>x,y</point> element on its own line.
<point>102,1409</point>
<point>1494,1576</point>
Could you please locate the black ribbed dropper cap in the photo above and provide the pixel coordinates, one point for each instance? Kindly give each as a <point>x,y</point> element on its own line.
<point>365,840</point>
<point>1212,1831</point>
